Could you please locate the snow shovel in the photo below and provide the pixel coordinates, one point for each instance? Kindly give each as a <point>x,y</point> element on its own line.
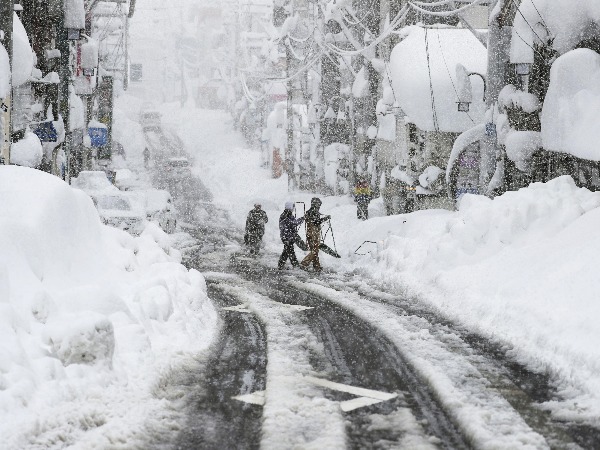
<point>298,241</point>
<point>325,248</point>
<point>301,244</point>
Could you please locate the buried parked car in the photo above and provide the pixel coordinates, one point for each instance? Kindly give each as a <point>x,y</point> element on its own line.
<point>160,209</point>
<point>178,168</point>
<point>93,181</point>
<point>117,210</point>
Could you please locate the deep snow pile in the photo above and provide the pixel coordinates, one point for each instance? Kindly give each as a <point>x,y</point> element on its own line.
<point>570,113</point>
<point>520,269</point>
<point>90,319</point>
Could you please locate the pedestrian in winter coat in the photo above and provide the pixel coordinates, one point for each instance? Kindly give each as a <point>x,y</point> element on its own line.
<point>146,157</point>
<point>255,228</point>
<point>288,230</point>
<point>313,234</point>
<point>362,197</point>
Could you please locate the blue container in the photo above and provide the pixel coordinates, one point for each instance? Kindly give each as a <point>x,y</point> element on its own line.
<point>98,136</point>
<point>46,132</point>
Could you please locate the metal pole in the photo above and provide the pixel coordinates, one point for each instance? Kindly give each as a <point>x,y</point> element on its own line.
<point>6,26</point>
<point>498,46</point>
<point>290,121</point>
<point>63,95</point>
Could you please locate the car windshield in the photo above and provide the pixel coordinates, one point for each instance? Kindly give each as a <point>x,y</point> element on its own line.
<point>115,203</point>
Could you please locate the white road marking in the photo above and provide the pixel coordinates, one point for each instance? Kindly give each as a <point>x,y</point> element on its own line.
<point>299,307</point>
<point>239,308</point>
<point>255,398</point>
<point>358,402</point>
<point>362,392</point>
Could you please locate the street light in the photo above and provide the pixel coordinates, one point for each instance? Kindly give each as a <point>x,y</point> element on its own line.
<point>465,94</point>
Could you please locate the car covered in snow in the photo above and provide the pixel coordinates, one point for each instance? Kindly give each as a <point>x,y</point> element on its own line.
<point>93,181</point>
<point>178,168</point>
<point>150,118</point>
<point>159,208</point>
<point>117,210</point>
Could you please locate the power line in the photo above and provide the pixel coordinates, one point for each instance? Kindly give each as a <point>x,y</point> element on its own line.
<point>435,119</point>
<point>450,75</point>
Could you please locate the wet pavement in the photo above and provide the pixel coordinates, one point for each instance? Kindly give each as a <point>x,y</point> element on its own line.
<point>354,353</point>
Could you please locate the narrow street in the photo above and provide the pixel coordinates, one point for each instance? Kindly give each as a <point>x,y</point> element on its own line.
<point>409,380</point>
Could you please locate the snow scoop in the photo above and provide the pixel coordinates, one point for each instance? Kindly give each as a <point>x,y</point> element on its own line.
<point>325,248</point>
<point>361,246</point>
<point>299,242</point>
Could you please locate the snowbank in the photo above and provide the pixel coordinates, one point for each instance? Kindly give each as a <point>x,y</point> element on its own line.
<point>27,152</point>
<point>572,106</point>
<point>90,318</point>
<point>520,269</point>
<point>23,56</point>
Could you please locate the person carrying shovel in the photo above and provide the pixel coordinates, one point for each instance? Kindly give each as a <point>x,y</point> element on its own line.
<point>313,221</point>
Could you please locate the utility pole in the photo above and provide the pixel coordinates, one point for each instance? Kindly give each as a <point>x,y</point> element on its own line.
<point>289,154</point>
<point>6,27</point>
<point>499,37</point>
<point>64,103</point>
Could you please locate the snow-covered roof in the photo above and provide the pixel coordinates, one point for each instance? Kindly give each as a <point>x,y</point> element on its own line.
<point>571,111</point>
<point>23,56</point>
<point>411,69</point>
<point>567,22</point>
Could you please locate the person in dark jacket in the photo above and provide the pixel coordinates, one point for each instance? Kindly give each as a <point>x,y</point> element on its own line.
<point>255,228</point>
<point>313,234</point>
<point>362,197</point>
<point>288,230</point>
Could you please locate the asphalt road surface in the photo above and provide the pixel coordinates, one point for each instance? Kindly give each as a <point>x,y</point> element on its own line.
<point>384,400</point>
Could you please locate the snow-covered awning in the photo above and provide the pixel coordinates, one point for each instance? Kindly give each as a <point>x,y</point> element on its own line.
<point>424,77</point>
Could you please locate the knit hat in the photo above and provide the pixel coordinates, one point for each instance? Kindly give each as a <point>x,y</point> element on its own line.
<point>289,205</point>
<point>316,202</point>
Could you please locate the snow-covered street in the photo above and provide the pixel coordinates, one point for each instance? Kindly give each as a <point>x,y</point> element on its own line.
<point>433,165</point>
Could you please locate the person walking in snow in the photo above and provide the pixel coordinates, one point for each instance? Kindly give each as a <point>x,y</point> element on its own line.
<point>146,157</point>
<point>313,234</point>
<point>362,197</point>
<point>255,228</point>
<point>288,230</point>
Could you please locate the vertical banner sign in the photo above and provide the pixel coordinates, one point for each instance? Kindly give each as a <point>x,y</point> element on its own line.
<point>105,109</point>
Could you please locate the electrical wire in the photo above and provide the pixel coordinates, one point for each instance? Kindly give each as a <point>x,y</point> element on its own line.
<point>438,3</point>
<point>538,11</point>
<point>397,20</point>
<point>358,22</point>
<point>434,112</point>
<point>518,9</point>
<point>455,12</point>
<point>450,75</point>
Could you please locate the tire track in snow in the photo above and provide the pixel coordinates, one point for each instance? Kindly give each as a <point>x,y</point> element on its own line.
<point>485,417</point>
<point>235,366</point>
<point>295,414</point>
<point>359,355</point>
